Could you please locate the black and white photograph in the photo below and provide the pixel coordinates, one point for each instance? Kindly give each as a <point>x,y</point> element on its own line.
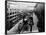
<point>24,17</point>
